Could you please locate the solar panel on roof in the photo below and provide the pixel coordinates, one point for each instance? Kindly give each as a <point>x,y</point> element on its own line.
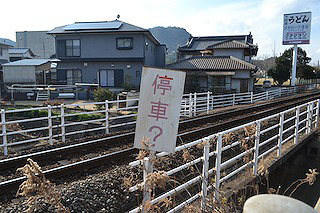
<point>93,26</point>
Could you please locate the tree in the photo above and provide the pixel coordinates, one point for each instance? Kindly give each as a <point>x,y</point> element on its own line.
<point>281,72</point>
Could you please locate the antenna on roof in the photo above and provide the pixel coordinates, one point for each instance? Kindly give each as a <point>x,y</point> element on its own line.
<point>118,16</point>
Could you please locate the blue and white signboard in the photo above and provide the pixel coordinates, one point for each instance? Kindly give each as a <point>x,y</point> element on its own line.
<point>296,28</point>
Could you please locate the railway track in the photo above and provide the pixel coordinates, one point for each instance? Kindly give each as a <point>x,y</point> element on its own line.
<point>220,123</point>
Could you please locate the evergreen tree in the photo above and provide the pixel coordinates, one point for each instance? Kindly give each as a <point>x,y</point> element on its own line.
<point>282,70</point>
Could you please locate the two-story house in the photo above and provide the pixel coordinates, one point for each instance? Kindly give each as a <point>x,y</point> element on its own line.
<point>109,53</point>
<point>218,63</point>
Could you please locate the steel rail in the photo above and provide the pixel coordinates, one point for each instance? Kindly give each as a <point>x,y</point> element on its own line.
<point>53,153</point>
<point>97,161</point>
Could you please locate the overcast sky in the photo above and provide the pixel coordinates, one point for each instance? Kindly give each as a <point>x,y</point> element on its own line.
<point>264,18</point>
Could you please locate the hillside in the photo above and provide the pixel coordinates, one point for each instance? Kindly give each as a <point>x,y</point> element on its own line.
<point>173,37</point>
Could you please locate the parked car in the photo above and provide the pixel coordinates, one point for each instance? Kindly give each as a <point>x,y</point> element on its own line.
<point>266,84</point>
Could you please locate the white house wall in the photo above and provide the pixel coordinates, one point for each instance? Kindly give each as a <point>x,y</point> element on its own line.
<point>242,74</point>
<point>5,52</point>
<point>251,83</point>
<point>238,53</point>
<point>235,84</point>
<point>19,74</point>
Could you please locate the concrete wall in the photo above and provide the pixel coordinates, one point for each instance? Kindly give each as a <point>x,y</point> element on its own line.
<point>238,53</point>
<point>5,52</point>
<point>235,84</point>
<point>19,74</point>
<point>90,72</point>
<point>39,42</point>
<point>104,46</point>
<point>160,59</point>
<point>150,53</point>
<point>99,51</point>
<point>154,54</point>
<point>235,81</point>
<point>242,74</point>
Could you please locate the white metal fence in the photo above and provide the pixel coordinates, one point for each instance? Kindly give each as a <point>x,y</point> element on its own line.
<point>262,139</point>
<point>195,103</point>
<point>51,124</point>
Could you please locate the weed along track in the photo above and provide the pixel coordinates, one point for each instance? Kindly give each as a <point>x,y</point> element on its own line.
<point>109,153</point>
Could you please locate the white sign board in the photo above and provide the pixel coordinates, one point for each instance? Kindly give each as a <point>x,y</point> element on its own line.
<point>296,28</point>
<point>160,97</point>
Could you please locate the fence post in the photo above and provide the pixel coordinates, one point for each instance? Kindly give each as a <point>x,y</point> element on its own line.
<point>190,105</point>
<point>107,116</point>
<point>317,113</point>
<point>218,165</point>
<point>307,120</point>
<point>256,148</point>
<point>185,107</point>
<point>208,102</point>
<point>63,128</point>
<point>212,98</point>
<point>311,115</point>
<point>296,130</point>
<point>233,99</point>
<point>147,169</point>
<point>308,123</point>
<point>4,132</point>
<point>267,95</point>
<point>280,92</point>
<point>251,97</point>
<point>279,154</point>
<point>195,104</point>
<point>50,124</point>
<point>205,182</point>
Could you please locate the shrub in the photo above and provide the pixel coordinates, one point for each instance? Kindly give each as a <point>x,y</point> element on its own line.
<point>103,94</point>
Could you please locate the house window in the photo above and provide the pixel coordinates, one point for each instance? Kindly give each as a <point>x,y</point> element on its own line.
<point>138,73</point>
<point>73,47</point>
<point>106,78</point>
<point>124,43</point>
<point>73,76</point>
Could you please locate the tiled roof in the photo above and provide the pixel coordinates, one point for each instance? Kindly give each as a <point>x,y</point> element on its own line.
<point>201,43</point>
<point>229,45</point>
<point>212,63</point>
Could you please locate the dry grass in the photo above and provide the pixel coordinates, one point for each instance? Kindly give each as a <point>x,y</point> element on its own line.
<point>157,180</point>
<point>52,102</point>
<point>14,127</point>
<point>203,144</point>
<point>310,179</point>
<point>187,156</point>
<point>127,181</point>
<point>144,151</point>
<point>37,188</point>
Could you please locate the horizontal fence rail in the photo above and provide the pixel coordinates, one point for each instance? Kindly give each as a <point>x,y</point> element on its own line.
<point>252,143</point>
<point>51,124</point>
